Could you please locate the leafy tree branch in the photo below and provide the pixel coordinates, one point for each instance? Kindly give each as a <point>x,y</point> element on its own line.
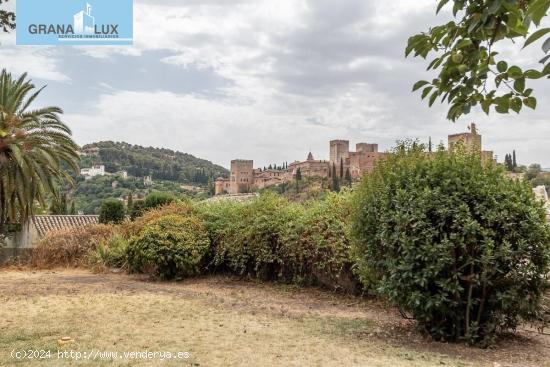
<point>7,19</point>
<point>470,73</point>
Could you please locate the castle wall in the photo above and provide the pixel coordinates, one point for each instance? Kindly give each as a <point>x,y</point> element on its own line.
<point>222,186</point>
<point>310,168</point>
<point>362,162</point>
<point>366,148</point>
<point>242,176</point>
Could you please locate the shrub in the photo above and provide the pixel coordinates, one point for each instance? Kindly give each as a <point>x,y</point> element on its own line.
<point>110,253</point>
<point>137,210</point>
<point>319,244</point>
<point>178,208</point>
<point>247,236</point>
<point>69,247</point>
<point>172,246</point>
<point>112,211</point>
<point>453,242</point>
<point>273,239</point>
<point>157,199</point>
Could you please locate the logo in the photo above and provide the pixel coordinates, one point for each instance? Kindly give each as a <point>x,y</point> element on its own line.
<point>70,22</point>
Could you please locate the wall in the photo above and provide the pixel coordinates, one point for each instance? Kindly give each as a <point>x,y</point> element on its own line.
<point>20,244</point>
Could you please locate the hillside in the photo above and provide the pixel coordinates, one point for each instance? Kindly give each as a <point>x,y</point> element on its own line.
<point>177,173</point>
<point>160,163</point>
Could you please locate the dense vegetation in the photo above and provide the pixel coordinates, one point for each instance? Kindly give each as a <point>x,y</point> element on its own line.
<point>89,194</point>
<point>173,173</point>
<point>160,164</point>
<point>461,247</point>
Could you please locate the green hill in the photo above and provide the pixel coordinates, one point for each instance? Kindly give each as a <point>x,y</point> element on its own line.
<point>160,163</point>
<point>177,173</point>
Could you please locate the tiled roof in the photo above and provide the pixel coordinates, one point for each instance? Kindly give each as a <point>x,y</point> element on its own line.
<point>46,223</point>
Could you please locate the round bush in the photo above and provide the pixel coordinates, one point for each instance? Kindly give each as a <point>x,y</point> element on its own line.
<point>170,247</point>
<point>453,241</point>
<point>112,211</point>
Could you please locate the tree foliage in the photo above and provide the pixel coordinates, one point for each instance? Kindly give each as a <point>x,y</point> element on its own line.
<point>35,149</point>
<point>7,19</point>
<point>470,72</point>
<point>457,244</point>
<point>157,199</point>
<point>112,211</point>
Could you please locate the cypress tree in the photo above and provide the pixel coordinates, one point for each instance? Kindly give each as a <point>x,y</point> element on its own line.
<point>514,163</point>
<point>348,177</point>
<point>341,167</point>
<point>130,204</point>
<point>335,181</point>
<point>298,179</point>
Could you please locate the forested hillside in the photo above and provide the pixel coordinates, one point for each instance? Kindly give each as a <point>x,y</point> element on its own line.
<point>177,173</point>
<point>160,163</point>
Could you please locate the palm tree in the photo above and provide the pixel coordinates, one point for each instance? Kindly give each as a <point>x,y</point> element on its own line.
<point>35,148</point>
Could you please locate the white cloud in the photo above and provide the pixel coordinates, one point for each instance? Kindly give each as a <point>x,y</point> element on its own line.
<point>39,62</point>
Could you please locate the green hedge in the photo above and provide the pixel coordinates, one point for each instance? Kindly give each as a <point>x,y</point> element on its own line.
<point>273,239</point>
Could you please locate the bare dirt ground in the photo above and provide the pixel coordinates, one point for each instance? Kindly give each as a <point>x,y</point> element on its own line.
<point>220,321</point>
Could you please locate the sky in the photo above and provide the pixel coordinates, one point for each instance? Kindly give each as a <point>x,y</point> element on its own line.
<point>267,80</point>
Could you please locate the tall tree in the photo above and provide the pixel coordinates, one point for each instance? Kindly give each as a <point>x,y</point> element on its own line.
<point>335,180</point>
<point>7,19</point>
<point>130,202</point>
<point>298,179</point>
<point>468,64</point>
<point>348,177</point>
<point>341,167</point>
<point>59,205</point>
<point>430,148</point>
<point>514,163</point>
<point>35,145</point>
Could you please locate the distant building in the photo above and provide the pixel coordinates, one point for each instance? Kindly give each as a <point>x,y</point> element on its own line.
<point>148,181</point>
<point>222,186</point>
<point>93,171</point>
<point>471,142</point>
<point>244,178</point>
<point>122,174</point>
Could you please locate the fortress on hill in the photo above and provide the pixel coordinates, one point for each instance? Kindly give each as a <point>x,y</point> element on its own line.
<point>245,178</point>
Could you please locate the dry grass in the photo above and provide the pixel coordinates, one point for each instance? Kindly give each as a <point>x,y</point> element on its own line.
<point>223,322</point>
<point>69,247</point>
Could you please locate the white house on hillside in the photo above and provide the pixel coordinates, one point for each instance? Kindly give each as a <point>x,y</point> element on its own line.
<point>93,171</point>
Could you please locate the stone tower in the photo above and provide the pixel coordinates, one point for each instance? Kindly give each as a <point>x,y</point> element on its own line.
<point>471,140</point>
<point>339,150</point>
<point>366,148</point>
<point>242,176</point>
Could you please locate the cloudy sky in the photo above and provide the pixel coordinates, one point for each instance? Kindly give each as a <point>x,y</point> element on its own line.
<point>266,80</point>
